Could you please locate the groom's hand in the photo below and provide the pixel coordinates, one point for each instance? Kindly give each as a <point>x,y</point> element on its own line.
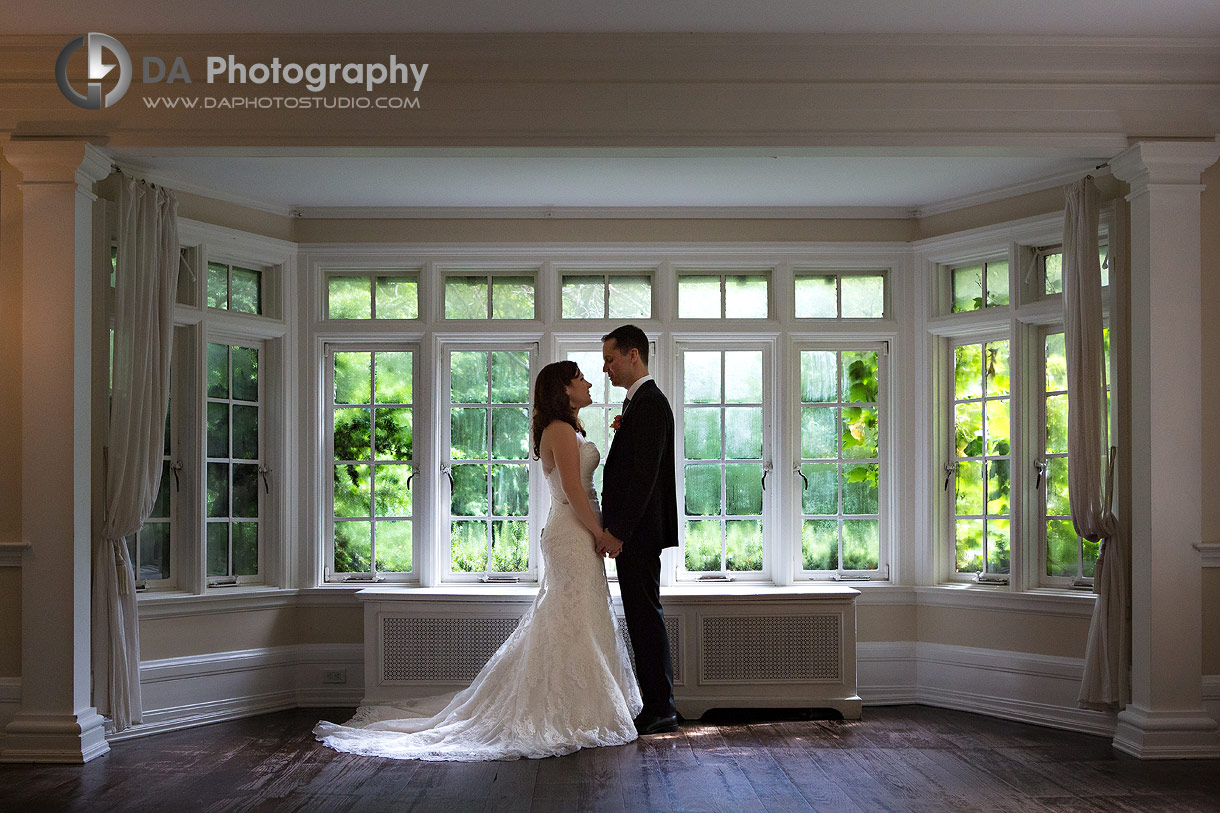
<point>609,545</point>
<point>617,422</point>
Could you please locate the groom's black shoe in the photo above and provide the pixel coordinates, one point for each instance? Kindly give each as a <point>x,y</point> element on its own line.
<point>656,724</point>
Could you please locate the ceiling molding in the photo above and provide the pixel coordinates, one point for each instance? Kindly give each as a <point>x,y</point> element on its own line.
<point>1011,191</point>
<point>176,183</point>
<point>606,212</point>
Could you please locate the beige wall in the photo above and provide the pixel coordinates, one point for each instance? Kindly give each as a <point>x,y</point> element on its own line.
<point>10,359</point>
<point>234,216</point>
<point>1062,636</point>
<point>10,622</point>
<point>207,633</point>
<point>1211,621</point>
<point>885,622</point>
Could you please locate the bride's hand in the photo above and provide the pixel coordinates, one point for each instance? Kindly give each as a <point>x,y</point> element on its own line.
<point>617,422</point>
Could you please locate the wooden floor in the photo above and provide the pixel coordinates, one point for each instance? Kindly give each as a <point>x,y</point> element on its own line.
<point>897,758</point>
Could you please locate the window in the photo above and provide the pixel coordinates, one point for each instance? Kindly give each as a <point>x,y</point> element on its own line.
<point>724,461</point>
<point>840,461</point>
<point>606,296</point>
<point>980,467</point>
<point>1068,558</point>
<point>706,295</point>
<point>832,295</point>
<point>483,296</point>
<point>1051,261</point>
<point>487,460</point>
<point>372,449</point>
<point>234,462</point>
<point>149,548</point>
<point>374,295</point>
<point>231,287</point>
<point>978,286</point>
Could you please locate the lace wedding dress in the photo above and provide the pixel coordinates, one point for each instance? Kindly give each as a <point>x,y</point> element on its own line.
<point>562,680</point>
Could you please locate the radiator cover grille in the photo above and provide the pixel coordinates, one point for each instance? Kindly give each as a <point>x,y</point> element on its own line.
<point>770,649</point>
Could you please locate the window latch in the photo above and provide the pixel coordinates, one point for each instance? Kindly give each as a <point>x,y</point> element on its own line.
<point>175,468</point>
<point>1040,467</point>
<point>796,469</point>
<point>264,471</point>
<point>949,469</point>
<point>766,471</point>
<point>447,470</point>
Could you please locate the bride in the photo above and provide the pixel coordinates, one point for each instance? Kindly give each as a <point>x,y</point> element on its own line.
<point>562,680</point>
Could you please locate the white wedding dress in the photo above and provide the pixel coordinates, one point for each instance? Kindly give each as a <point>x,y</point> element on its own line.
<point>562,680</point>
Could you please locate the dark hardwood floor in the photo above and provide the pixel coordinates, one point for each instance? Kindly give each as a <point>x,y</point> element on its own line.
<point>907,758</point>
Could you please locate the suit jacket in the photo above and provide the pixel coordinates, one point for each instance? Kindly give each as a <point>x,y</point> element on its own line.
<point>639,495</point>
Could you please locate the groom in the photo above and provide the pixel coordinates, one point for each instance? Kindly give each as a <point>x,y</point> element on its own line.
<point>640,512</point>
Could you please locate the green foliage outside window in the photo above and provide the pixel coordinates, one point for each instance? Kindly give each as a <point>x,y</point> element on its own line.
<point>982,458</point>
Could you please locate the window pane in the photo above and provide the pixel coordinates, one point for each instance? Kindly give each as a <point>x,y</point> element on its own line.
<point>702,433</point>
<point>820,544</point>
<point>245,373</point>
<point>245,490</point>
<point>819,374</point>
<point>245,432</point>
<point>998,429</point>
<point>218,429</point>
<point>969,491</point>
<point>218,288</point>
<point>218,370</point>
<point>861,544</point>
<point>394,547</point>
<point>583,297</point>
<point>247,290</point>
<point>702,484</point>
<point>816,297</point>
<point>510,490</point>
<point>469,497</point>
<point>860,494</point>
<point>1053,263</point>
<point>509,546</point>
<point>468,541</point>
<point>968,371</point>
<point>821,496</point>
<point>860,377</point>
<point>997,545</point>
<point>698,297</point>
<point>218,489</point>
<point>512,298</point>
<point>245,548</point>
<point>353,378</point>
<point>967,284</point>
<point>218,548</point>
<point>701,377</point>
<point>466,298</point>
<point>1061,548</point>
<point>997,379</point>
<point>743,433</point>
<point>997,487</point>
<point>743,489</point>
<point>393,494</point>
<point>353,547</point>
<point>1056,363</point>
<point>352,491</point>
<point>394,377</point>
<point>863,297</point>
<point>859,432</point>
<point>510,433</point>
<point>161,506</point>
<point>394,434</point>
<point>468,378</point>
<point>468,433</point>
<point>352,435</point>
<point>819,428</point>
<point>968,429</point>
<point>1057,502</point>
<point>397,298</point>
<point>349,298</point>
<point>997,283</point>
<point>743,545</point>
<point>154,550</point>
<point>1057,423</point>
<point>630,297</point>
<point>969,545</point>
<point>702,545</point>
<point>745,297</point>
<point>510,377</point>
<point>743,377</point>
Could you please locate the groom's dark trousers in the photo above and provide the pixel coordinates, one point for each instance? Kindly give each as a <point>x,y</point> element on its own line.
<point>639,506</point>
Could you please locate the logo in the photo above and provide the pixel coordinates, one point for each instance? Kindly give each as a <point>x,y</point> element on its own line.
<point>98,69</point>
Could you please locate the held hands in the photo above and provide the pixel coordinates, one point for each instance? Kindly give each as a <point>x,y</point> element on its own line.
<point>617,422</point>
<point>607,544</point>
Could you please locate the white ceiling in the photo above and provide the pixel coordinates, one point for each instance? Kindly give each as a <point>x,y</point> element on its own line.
<point>1079,17</point>
<point>562,178</point>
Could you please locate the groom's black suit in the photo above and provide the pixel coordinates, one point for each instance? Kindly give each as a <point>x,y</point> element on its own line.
<point>640,507</point>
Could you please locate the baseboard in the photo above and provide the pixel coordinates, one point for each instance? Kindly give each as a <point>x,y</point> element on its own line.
<point>1211,696</point>
<point>10,702</point>
<point>1039,689</point>
<point>201,689</point>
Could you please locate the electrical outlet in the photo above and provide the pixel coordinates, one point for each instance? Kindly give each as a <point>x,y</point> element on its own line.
<point>334,676</point>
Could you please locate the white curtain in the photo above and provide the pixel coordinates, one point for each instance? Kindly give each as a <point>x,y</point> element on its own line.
<point>146,282</point>
<point>1106,683</point>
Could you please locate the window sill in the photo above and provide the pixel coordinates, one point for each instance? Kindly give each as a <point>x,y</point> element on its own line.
<point>1042,601</point>
<point>172,604</point>
<point>677,594</point>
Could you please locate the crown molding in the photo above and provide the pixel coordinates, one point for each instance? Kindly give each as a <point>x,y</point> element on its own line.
<point>172,181</point>
<point>607,212</point>
<point>1011,191</point>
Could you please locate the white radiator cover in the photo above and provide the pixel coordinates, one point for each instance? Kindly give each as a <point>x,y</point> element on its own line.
<point>734,647</point>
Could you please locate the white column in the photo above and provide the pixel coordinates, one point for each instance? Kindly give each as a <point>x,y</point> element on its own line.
<point>56,722</point>
<point>1166,718</point>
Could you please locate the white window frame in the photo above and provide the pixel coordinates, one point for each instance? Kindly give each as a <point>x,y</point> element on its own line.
<point>443,429</point>
<point>770,514</point>
<point>839,274</point>
<point>329,574</point>
<point>766,272</point>
<point>885,462</point>
<point>411,273</point>
<point>444,274</point>
<point>607,274</point>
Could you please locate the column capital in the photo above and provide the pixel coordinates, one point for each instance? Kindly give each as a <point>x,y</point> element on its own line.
<point>1164,162</point>
<point>49,161</point>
